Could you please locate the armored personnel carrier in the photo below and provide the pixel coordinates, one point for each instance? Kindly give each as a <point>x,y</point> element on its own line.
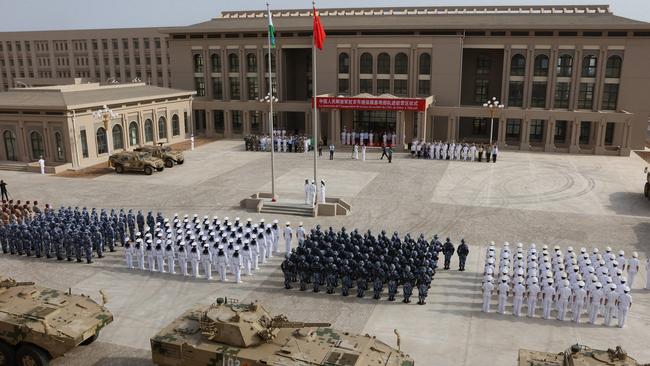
<point>233,334</point>
<point>578,355</point>
<point>38,324</point>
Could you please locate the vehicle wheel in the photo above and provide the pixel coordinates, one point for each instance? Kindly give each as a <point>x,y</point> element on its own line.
<point>32,356</point>
<point>160,169</point>
<point>148,170</point>
<point>7,354</point>
<point>169,163</point>
<point>89,340</point>
<point>646,189</point>
<point>180,162</point>
<point>119,169</point>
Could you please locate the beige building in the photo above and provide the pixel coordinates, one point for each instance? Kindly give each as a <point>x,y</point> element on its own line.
<point>572,79</point>
<point>57,122</point>
<point>99,55</point>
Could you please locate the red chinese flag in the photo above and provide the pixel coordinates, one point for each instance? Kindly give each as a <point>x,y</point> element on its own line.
<point>319,32</point>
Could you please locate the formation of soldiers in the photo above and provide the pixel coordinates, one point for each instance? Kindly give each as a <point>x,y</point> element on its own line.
<point>281,141</point>
<point>579,282</point>
<point>342,261</point>
<point>18,212</point>
<point>64,234</point>
<point>368,138</point>
<point>439,150</point>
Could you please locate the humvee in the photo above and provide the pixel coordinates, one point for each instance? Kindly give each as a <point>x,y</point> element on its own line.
<point>38,324</point>
<point>165,153</point>
<point>136,161</point>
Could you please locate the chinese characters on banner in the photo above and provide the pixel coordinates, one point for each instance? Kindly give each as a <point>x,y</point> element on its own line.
<point>385,104</point>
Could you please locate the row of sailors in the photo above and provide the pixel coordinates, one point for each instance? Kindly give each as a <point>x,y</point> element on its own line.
<point>368,138</point>
<point>292,143</point>
<point>439,150</point>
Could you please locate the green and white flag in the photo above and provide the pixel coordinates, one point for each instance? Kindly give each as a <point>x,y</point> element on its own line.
<point>271,29</point>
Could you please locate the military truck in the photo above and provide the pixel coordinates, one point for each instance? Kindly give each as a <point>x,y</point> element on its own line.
<point>578,355</point>
<point>136,161</point>
<point>233,334</point>
<point>38,324</point>
<point>165,153</point>
<point>646,188</point>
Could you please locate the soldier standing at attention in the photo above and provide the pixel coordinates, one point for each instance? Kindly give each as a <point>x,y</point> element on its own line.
<point>332,151</point>
<point>288,235</point>
<point>448,250</point>
<point>3,190</point>
<point>307,191</point>
<point>463,252</point>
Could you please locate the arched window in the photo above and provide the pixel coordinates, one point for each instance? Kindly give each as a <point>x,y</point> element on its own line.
<point>148,130</point>
<point>401,64</point>
<point>133,133</point>
<point>198,63</point>
<point>251,63</point>
<point>118,142</point>
<point>589,64</point>
<point>613,67</point>
<point>233,62</point>
<point>541,65</point>
<point>10,145</point>
<point>162,127</point>
<point>102,144</point>
<point>425,64</point>
<point>266,63</point>
<point>176,126</point>
<point>215,61</point>
<point>518,65</point>
<point>366,63</point>
<point>344,63</point>
<point>564,65</point>
<point>38,148</point>
<point>383,63</point>
<point>58,139</point>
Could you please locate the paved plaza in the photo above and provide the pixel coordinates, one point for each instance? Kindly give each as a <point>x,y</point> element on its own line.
<point>554,199</point>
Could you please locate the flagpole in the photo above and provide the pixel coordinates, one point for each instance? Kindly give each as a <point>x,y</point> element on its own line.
<point>268,10</point>
<point>313,81</point>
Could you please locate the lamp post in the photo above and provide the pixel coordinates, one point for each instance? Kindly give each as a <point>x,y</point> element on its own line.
<point>269,98</point>
<point>106,114</point>
<point>494,106</point>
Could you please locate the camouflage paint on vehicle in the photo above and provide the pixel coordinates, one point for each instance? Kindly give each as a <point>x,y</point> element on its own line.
<point>135,161</point>
<point>578,355</point>
<point>164,153</point>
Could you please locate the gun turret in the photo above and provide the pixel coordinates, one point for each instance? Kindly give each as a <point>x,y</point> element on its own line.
<point>287,324</point>
<point>7,283</point>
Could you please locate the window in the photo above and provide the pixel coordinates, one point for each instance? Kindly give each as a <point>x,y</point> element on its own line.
<point>176,126</point>
<point>586,96</point>
<point>344,86</point>
<point>366,64</point>
<point>251,63</point>
<point>84,143</point>
<point>10,145</point>
<point>365,86</point>
<point>610,97</point>
<point>482,65</point>
<point>513,128</point>
<point>518,65</point>
<point>425,64</point>
<point>253,89</point>
<point>102,144</point>
<point>146,43</point>
<point>118,143</point>
<point>481,89</point>
<point>538,95</point>
<point>148,130</point>
<point>560,132</point>
<point>383,86</point>
<point>424,87</point>
<point>537,130</point>
<point>562,91</point>
<point>199,120</point>
<point>58,139</point>
<point>344,63</point>
<point>157,42</point>
<point>401,64</point>
<point>133,133</point>
<point>215,63</point>
<point>235,92</point>
<point>401,87</point>
<point>136,43</point>
<point>217,88</point>
<point>383,64</point>
<point>479,126</point>
<point>585,132</point>
<point>233,62</point>
<point>589,64</point>
<point>515,94</point>
<point>613,67</point>
<point>564,65</point>
<point>186,122</point>
<point>266,63</point>
<point>609,133</point>
<point>256,119</point>
<point>198,63</point>
<point>114,41</point>
<point>199,85</point>
<point>236,122</point>
<point>162,127</point>
<point>125,43</point>
<point>218,121</point>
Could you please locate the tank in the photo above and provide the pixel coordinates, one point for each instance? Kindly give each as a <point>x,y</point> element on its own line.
<point>38,324</point>
<point>233,334</point>
<point>578,355</point>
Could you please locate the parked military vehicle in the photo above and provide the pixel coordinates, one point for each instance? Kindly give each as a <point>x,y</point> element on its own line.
<point>165,153</point>
<point>136,161</point>
<point>38,324</point>
<point>646,188</point>
<point>234,334</point>
<point>578,355</point>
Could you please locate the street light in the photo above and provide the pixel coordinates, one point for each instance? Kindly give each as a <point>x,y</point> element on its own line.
<point>494,106</point>
<point>271,99</point>
<point>106,114</point>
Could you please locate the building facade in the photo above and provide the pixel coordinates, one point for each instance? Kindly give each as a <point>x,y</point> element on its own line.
<point>57,122</point>
<point>572,79</point>
<point>100,55</point>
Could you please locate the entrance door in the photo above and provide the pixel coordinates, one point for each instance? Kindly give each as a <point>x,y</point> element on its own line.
<point>375,122</point>
<point>10,145</point>
<point>295,122</point>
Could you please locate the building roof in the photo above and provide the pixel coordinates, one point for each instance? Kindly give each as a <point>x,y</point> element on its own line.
<point>422,18</point>
<point>68,97</point>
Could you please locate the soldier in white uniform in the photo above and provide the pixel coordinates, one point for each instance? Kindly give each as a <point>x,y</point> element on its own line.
<point>370,138</point>
<point>532,294</point>
<point>235,265</point>
<point>518,297</point>
<point>195,258</point>
<point>563,298</point>
<point>151,256</point>
<point>624,305</point>
<point>579,298</point>
<point>488,287</point>
<point>276,228</point>
<point>393,139</point>
<point>221,262</point>
<point>300,232</point>
<point>632,268</point>
<point>288,235</point>
<point>343,142</point>
<point>169,253</point>
<point>128,255</point>
<point>312,200</point>
<point>610,304</point>
<point>595,302</point>
<point>355,152</point>
<point>307,192</point>
<point>502,293</point>
<point>363,152</point>
<point>206,261</point>
<point>548,294</point>
<point>182,258</point>
<point>247,258</point>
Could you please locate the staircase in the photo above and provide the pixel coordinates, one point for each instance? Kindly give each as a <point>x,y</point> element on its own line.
<point>13,166</point>
<point>293,209</point>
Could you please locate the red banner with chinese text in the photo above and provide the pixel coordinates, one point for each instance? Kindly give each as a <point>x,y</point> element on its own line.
<point>384,104</point>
